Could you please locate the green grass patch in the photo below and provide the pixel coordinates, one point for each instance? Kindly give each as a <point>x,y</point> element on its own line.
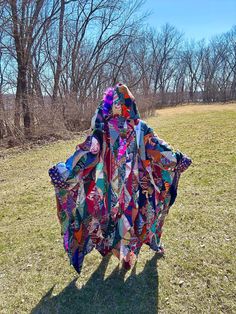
<point>198,273</point>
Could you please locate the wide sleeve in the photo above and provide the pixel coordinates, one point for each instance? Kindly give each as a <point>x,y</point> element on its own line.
<point>68,179</point>
<point>163,154</point>
<point>167,164</point>
<point>67,174</point>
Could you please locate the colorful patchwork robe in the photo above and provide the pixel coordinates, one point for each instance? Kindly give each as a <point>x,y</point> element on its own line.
<point>115,191</point>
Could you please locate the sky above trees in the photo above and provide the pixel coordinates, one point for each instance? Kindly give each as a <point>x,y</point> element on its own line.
<point>196,18</point>
<point>70,51</point>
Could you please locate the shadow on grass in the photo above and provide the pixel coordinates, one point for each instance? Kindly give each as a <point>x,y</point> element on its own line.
<point>137,294</point>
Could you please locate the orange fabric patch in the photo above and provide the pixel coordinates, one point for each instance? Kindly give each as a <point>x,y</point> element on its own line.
<point>144,231</point>
<point>155,154</point>
<point>78,234</point>
<point>146,163</point>
<point>146,138</point>
<point>134,214</point>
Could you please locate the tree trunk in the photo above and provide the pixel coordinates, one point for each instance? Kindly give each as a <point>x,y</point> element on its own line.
<point>22,101</point>
<point>59,54</point>
<point>2,123</point>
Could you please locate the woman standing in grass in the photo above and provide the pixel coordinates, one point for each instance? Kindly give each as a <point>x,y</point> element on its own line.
<point>114,192</point>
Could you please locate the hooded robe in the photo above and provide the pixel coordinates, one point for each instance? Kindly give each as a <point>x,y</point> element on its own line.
<point>114,192</point>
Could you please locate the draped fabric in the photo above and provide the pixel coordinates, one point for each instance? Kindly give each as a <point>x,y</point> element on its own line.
<point>114,192</point>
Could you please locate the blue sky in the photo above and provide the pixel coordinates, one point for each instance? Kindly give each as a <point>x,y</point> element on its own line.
<point>196,18</point>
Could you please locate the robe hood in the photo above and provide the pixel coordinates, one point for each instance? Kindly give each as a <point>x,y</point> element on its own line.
<point>118,101</point>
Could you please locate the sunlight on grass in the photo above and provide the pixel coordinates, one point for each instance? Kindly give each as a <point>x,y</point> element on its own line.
<point>198,273</point>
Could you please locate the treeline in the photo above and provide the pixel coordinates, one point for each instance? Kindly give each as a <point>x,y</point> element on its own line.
<point>58,56</point>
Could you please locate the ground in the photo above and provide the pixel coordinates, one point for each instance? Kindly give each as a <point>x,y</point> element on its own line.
<point>198,272</point>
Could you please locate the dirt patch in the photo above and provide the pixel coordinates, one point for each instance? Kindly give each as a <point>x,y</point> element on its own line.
<point>12,146</point>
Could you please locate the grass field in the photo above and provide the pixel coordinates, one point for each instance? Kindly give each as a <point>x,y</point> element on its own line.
<point>198,272</point>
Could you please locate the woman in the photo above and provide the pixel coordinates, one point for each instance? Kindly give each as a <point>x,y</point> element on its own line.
<point>114,192</point>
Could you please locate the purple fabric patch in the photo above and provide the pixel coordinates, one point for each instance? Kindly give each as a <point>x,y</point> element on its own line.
<point>108,100</point>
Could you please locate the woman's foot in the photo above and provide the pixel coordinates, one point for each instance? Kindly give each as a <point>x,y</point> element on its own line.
<point>160,251</point>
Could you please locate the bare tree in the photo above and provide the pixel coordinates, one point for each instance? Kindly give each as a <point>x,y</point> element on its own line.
<point>57,57</point>
<point>2,122</point>
<point>192,57</point>
<point>60,50</point>
<point>165,46</point>
<point>26,27</point>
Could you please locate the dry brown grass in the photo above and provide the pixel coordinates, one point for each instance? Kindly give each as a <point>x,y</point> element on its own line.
<point>195,108</point>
